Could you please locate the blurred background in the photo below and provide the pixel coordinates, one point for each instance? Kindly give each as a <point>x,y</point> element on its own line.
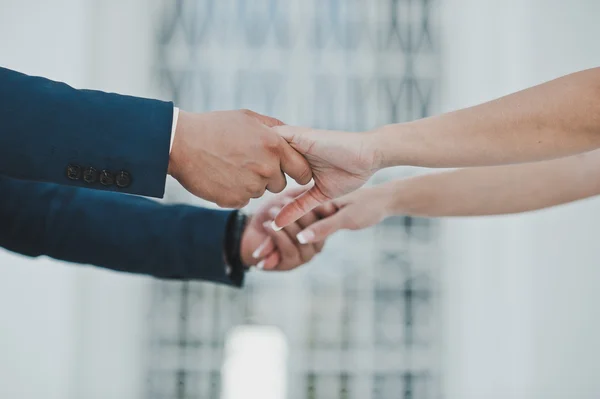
<point>415,308</point>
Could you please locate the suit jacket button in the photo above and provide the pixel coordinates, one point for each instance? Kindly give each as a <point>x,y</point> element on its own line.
<point>90,175</point>
<point>106,178</point>
<point>123,179</point>
<point>73,172</point>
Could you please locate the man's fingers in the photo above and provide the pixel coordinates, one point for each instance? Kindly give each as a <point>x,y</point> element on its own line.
<point>277,183</point>
<point>295,136</point>
<point>322,229</point>
<point>299,207</point>
<point>294,164</point>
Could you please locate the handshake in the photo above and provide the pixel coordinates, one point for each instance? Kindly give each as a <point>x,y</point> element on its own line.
<point>533,149</point>
<point>229,157</point>
<point>529,150</point>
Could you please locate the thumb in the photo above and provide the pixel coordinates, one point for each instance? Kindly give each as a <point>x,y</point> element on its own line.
<point>295,136</point>
<point>299,207</point>
<point>322,229</point>
<point>287,132</point>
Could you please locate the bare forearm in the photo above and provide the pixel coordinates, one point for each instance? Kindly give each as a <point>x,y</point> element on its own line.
<point>552,120</point>
<point>497,190</point>
<point>493,190</point>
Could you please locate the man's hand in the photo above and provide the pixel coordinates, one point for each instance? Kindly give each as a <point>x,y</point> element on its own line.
<point>278,250</point>
<point>228,157</point>
<point>341,162</point>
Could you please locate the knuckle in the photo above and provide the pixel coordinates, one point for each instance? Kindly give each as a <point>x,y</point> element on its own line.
<point>275,121</point>
<point>256,187</point>
<point>305,175</point>
<point>275,189</point>
<point>269,170</point>
<point>272,170</point>
<point>236,203</point>
<point>271,141</point>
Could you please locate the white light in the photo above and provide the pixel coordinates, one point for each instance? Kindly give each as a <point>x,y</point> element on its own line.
<point>255,364</point>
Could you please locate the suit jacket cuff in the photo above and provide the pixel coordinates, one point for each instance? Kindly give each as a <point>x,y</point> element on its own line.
<point>208,248</point>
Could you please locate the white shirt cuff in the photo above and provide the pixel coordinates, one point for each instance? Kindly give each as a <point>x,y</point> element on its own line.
<point>174,126</point>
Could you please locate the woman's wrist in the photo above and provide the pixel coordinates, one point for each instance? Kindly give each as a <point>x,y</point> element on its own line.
<point>389,145</point>
<point>380,198</point>
<point>403,197</point>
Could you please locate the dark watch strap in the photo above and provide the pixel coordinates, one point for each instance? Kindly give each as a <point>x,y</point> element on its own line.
<point>233,240</point>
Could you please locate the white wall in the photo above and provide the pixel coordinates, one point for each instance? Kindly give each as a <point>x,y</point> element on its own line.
<point>565,296</point>
<point>67,331</point>
<point>37,298</point>
<point>520,309</point>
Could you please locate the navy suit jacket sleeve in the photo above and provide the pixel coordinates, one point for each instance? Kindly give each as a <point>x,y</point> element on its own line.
<point>119,232</point>
<point>51,132</point>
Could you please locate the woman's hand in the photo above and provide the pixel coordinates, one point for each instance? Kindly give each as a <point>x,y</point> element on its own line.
<point>356,211</point>
<point>341,162</point>
<point>279,250</point>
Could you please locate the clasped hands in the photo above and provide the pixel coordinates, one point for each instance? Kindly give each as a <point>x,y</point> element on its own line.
<point>229,157</point>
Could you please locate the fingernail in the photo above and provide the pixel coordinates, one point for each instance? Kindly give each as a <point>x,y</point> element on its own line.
<point>261,265</point>
<point>275,227</point>
<point>274,211</point>
<point>258,251</point>
<point>305,236</point>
